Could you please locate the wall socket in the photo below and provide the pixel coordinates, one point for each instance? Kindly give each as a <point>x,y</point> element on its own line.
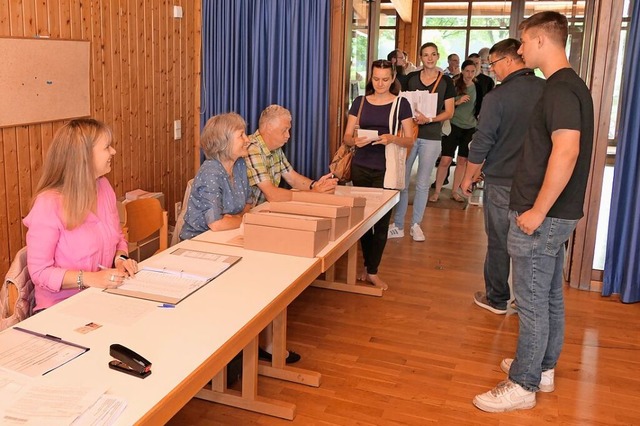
<point>178,208</point>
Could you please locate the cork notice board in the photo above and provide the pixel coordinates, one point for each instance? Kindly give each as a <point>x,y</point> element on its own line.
<point>43,80</point>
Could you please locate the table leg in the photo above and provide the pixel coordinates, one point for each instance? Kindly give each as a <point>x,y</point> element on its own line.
<point>278,368</point>
<point>248,399</point>
<point>351,285</point>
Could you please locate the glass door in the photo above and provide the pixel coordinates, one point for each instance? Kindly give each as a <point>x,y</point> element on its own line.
<point>359,48</point>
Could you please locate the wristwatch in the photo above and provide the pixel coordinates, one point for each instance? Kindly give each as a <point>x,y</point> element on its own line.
<point>313,182</point>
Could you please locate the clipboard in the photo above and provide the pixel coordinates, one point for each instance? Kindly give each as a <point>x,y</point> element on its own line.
<point>35,354</point>
<point>172,277</point>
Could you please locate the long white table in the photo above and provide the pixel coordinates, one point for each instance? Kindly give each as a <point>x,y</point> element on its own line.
<point>189,344</point>
<point>379,202</point>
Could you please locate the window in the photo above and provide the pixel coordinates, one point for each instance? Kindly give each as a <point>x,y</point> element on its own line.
<point>464,27</point>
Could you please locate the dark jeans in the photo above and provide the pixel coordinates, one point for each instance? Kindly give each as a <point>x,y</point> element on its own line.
<point>497,260</point>
<point>374,240</point>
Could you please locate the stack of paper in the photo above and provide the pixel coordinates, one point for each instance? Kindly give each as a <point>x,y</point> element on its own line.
<point>422,101</point>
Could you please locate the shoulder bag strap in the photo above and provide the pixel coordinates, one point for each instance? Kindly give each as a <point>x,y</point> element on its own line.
<point>392,128</point>
<point>360,111</point>
<point>435,85</point>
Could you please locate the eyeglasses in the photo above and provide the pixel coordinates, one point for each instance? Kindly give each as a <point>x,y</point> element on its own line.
<point>492,63</point>
<point>381,63</point>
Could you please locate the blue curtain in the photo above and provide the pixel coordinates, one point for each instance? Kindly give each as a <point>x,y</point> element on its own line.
<point>622,264</point>
<point>261,52</point>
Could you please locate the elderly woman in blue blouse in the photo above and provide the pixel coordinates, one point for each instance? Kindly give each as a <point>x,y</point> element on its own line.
<point>220,194</point>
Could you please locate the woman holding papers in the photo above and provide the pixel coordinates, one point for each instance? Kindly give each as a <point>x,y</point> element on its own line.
<point>427,146</point>
<point>372,113</point>
<point>220,194</point>
<point>74,239</point>
<point>468,99</point>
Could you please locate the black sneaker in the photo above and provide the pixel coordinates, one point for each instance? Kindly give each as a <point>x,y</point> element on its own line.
<point>266,356</point>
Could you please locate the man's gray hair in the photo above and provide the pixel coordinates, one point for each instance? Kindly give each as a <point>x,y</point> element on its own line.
<point>271,113</point>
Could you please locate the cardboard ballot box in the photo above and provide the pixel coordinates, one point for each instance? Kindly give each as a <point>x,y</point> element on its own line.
<point>286,233</point>
<point>339,215</point>
<point>355,203</point>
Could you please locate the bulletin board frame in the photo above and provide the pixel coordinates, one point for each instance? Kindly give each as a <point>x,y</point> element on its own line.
<point>43,80</point>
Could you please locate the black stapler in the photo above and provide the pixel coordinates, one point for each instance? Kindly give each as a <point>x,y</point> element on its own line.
<point>127,361</point>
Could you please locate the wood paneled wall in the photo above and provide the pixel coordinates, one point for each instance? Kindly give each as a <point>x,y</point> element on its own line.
<point>145,73</point>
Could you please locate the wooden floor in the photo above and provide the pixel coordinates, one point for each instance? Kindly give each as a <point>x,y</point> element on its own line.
<point>419,354</point>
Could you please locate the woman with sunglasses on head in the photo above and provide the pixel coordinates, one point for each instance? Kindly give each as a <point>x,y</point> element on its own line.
<point>469,94</point>
<point>427,146</point>
<point>74,239</point>
<point>369,165</point>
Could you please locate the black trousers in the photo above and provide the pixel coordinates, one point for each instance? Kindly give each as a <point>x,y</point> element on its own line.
<point>374,240</point>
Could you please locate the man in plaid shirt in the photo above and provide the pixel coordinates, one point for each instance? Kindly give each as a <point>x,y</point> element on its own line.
<point>267,164</point>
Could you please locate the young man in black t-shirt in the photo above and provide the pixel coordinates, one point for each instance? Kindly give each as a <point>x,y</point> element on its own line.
<point>546,203</point>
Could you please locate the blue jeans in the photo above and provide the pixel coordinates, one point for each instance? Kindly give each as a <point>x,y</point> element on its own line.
<point>497,260</point>
<point>537,283</point>
<point>427,152</point>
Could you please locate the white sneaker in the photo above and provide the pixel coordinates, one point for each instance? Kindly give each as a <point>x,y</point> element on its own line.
<point>416,232</point>
<point>547,382</point>
<point>395,232</point>
<point>507,396</point>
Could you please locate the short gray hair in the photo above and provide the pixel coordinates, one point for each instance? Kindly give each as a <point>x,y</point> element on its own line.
<point>217,135</point>
<point>271,113</point>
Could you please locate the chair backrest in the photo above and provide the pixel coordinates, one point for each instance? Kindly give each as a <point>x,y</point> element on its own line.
<point>175,237</point>
<point>145,217</point>
<point>16,292</point>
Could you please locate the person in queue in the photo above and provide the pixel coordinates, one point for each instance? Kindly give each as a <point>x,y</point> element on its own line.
<point>428,145</point>
<point>220,194</point>
<point>74,237</point>
<point>546,202</point>
<point>267,164</point>
<point>463,124</point>
<point>368,165</point>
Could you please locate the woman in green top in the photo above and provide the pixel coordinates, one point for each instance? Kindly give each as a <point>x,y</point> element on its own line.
<point>463,125</point>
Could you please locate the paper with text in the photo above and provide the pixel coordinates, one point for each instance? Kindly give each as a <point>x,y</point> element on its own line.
<point>35,354</point>
<point>173,275</point>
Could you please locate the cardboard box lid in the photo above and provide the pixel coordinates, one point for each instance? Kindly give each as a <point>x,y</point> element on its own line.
<point>287,221</point>
<point>336,200</point>
<point>310,209</point>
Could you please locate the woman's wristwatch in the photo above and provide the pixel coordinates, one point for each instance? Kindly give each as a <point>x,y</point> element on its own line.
<point>122,257</point>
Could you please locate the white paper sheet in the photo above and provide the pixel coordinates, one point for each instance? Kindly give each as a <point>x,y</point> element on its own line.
<point>422,101</point>
<point>24,401</point>
<point>34,354</point>
<point>104,412</point>
<point>371,135</point>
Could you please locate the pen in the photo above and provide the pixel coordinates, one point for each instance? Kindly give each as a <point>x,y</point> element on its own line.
<point>166,305</point>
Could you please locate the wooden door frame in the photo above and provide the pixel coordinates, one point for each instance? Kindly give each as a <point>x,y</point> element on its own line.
<point>606,41</point>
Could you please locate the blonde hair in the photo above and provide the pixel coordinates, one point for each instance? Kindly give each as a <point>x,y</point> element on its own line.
<point>271,113</point>
<point>217,135</point>
<point>69,169</point>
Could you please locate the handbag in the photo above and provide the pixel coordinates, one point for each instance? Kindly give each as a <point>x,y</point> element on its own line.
<point>395,155</point>
<point>340,165</point>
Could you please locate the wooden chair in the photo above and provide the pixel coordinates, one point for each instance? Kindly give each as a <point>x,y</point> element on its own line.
<point>17,293</point>
<point>175,237</point>
<point>145,217</point>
